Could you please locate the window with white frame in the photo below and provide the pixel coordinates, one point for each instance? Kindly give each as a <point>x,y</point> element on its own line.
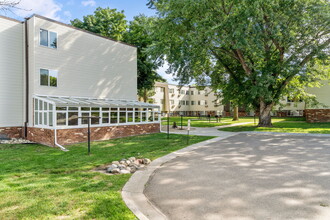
<point>171,91</point>
<point>46,113</point>
<point>48,77</point>
<point>182,92</point>
<point>48,38</point>
<point>171,101</point>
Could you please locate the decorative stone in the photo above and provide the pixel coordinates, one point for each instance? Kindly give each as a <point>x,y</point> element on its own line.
<point>132,159</point>
<point>115,162</point>
<point>124,172</point>
<point>114,171</point>
<point>128,162</point>
<point>133,169</point>
<point>146,161</point>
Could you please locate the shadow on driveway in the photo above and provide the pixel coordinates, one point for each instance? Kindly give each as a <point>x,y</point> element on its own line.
<point>247,176</point>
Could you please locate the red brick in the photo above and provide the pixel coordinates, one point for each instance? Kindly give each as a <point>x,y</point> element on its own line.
<point>317,115</point>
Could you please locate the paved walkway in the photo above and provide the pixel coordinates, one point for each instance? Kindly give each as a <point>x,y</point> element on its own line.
<point>246,176</point>
<point>206,131</point>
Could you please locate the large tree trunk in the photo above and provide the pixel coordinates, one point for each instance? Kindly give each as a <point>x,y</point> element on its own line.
<point>235,118</point>
<point>265,119</point>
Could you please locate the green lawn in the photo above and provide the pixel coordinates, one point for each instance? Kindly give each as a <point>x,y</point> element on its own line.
<point>196,122</point>
<point>38,182</point>
<point>287,127</point>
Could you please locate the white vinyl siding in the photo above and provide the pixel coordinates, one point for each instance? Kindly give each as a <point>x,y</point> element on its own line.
<point>11,73</point>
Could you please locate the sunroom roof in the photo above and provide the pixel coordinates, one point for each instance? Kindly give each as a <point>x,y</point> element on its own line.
<point>78,101</point>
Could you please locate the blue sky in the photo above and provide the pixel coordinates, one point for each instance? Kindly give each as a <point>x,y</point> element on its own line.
<point>66,10</point>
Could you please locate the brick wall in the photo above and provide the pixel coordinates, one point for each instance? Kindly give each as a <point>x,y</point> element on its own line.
<point>317,115</point>
<point>78,135</point>
<point>12,132</point>
<point>41,135</point>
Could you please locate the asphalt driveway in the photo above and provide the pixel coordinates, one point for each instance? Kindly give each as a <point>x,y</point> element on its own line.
<point>247,176</point>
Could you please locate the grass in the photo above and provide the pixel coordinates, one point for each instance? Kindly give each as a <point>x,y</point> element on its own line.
<point>196,122</point>
<point>286,127</point>
<point>38,182</point>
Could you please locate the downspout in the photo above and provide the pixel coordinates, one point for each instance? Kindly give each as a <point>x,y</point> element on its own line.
<point>26,80</point>
<point>55,141</point>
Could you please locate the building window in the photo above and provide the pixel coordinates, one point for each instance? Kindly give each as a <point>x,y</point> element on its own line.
<point>192,102</point>
<point>183,102</point>
<point>199,92</point>
<point>199,102</point>
<point>48,77</point>
<point>182,92</point>
<point>205,102</point>
<point>187,102</point>
<point>48,38</point>
<point>172,102</point>
<point>191,92</point>
<point>171,90</point>
<point>187,92</point>
<point>162,89</point>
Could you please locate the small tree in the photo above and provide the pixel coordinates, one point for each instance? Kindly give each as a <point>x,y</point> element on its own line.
<point>257,51</point>
<point>140,34</point>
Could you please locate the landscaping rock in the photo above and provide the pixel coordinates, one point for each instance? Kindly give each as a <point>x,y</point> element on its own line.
<point>130,165</point>
<point>124,172</point>
<point>116,170</point>
<point>115,162</point>
<point>146,161</point>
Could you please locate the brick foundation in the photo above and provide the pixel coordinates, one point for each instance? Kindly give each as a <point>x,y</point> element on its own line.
<point>41,135</point>
<point>78,135</point>
<point>12,132</point>
<point>317,115</point>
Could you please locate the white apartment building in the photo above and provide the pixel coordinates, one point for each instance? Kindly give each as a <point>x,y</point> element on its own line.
<point>52,74</point>
<point>186,100</point>
<point>189,101</point>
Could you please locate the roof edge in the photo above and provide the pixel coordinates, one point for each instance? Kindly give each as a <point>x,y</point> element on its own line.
<point>11,19</point>
<point>79,29</point>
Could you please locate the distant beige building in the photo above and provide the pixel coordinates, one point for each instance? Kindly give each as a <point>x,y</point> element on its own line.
<point>186,100</point>
<point>189,101</point>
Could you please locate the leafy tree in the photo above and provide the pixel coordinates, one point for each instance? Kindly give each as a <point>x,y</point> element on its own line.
<point>254,51</point>
<point>105,21</point>
<point>139,34</point>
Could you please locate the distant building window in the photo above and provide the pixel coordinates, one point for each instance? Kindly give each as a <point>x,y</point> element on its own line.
<point>183,102</point>
<point>48,77</point>
<point>199,92</point>
<point>162,89</point>
<point>187,102</point>
<point>191,92</point>
<point>48,38</point>
<point>172,102</point>
<point>199,102</point>
<point>205,102</point>
<point>182,92</point>
<point>171,90</point>
<point>187,92</point>
<point>192,102</point>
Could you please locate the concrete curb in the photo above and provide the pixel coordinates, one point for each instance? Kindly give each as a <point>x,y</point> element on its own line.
<point>284,134</point>
<point>132,192</point>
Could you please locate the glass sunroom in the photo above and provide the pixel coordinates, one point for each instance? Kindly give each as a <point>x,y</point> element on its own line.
<point>65,112</point>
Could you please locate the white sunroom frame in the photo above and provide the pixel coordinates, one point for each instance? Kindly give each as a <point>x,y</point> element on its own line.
<point>81,102</point>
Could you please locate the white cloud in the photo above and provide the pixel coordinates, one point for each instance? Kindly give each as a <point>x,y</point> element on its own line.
<point>88,3</point>
<point>47,8</point>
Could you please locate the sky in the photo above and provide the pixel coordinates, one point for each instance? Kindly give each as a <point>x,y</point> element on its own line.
<point>66,10</point>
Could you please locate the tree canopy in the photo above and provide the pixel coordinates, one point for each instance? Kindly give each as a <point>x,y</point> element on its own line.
<point>254,51</point>
<point>105,21</point>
